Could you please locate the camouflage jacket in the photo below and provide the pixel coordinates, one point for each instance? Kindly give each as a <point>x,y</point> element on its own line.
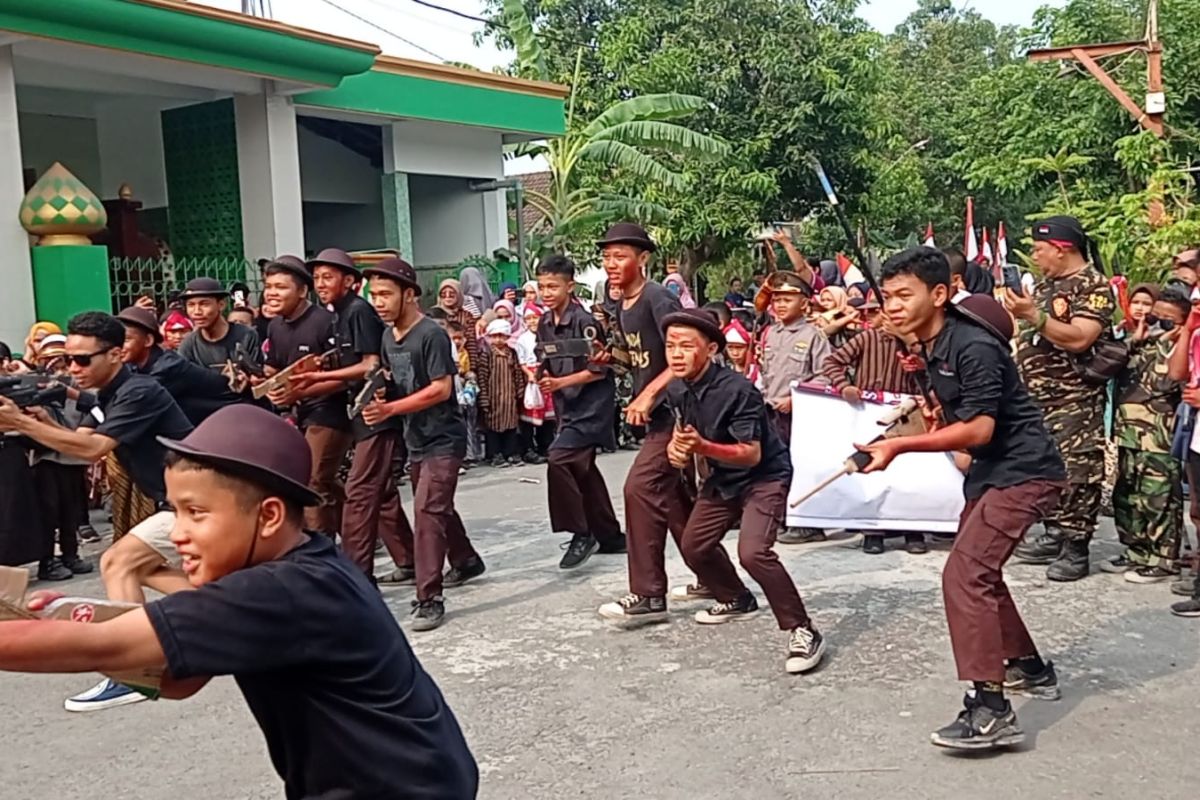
<point>1073,409</point>
<point>1147,398</point>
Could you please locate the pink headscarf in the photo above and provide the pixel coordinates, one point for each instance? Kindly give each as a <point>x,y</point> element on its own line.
<point>684,294</point>
<point>516,322</point>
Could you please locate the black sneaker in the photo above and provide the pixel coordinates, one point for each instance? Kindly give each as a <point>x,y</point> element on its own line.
<point>1043,686</point>
<point>915,543</point>
<point>872,544</point>
<point>428,614</point>
<point>1118,565</point>
<point>87,533</point>
<point>614,546</point>
<point>635,609</point>
<point>533,457</point>
<point>1150,575</point>
<point>579,549</point>
<point>498,461</point>
<point>1042,550</point>
<point>514,461</point>
<point>400,576</point>
<point>801,536</point>
<point>806,646</point>
<point>457,576</point>
<point>742,607</point>
<point>77,565</point>
<point>51,569</point>
<point>691,592</point>
<point>1188,608</point>
<point>1184,587</point>
<point>980,728</point>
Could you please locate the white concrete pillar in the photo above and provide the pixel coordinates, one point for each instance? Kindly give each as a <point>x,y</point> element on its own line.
<point>495,221</point>
<point>269,176</point>
<point>16,273</point>
<point>129,134</point>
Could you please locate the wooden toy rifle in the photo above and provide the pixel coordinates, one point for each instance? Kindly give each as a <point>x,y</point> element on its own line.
<point>376,379</point>
<point>309,363</point>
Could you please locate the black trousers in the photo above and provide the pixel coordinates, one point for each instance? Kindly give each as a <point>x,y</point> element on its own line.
<point>537,438</point>
<point>506,444</point>
<point>62,491</point>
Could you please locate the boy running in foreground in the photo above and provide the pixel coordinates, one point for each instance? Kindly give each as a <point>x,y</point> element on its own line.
<point>346,708</point>
<point>1015,478</point>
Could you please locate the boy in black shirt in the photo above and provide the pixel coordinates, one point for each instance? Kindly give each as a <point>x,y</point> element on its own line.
<point>214,341</point>
<point>301,329</point>
<point>372,510</point>
<point>1015,478</point>
<point>584,402</point>
<point>419,356</point>
<point>745,471</point>
<point>656,496</point>
<point>346,708</point>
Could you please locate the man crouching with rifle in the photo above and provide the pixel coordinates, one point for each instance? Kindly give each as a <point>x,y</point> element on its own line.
<point>1015,478</point>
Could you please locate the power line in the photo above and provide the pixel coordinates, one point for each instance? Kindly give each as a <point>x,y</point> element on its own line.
<point>379,27</point>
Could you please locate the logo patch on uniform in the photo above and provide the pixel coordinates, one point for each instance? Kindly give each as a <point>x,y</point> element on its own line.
<point>84,612</point>
<point>1060,308</point>
<point>945,372</point>
<point>1098,302</point>
<point>800,346</point>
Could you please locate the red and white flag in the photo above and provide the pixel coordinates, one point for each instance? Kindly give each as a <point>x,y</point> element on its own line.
<point>985,250</point>
<point>850,273</point>
<point>970,245</point>
<point>929,236</point>
<point>1001,245</point>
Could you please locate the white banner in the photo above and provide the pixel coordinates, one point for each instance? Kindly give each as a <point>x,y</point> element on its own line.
<point>918,492</point>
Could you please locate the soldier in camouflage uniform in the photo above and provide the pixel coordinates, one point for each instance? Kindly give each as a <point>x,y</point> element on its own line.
<point>1148,497</point>
<point>1070,309</point>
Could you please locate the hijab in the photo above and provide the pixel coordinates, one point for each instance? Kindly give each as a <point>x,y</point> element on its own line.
<point>516,323</point>
<point>676,280</point>
<point>830,273</point>
<point>978,280</point>
<point>834,298</point>
<point>475,287</point>
<point>458,302</point>
<point>504,287</point>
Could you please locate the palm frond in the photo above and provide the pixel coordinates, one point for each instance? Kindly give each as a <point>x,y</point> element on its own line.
<point>645,107</point>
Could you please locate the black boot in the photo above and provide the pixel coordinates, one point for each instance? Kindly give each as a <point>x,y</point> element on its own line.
<point>1072,564</point>
<point>1042,550</point>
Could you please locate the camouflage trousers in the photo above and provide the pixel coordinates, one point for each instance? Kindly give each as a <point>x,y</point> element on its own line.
<point>1078,432</point>
<point>1148,506</point>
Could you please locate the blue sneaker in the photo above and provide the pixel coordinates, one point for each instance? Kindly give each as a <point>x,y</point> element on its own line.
<point>106,694</point>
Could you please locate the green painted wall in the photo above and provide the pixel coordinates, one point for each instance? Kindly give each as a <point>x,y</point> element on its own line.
<point>397,214</point>
<point>68,280</point>
<point>184,36</point>
<point>393,95</point>
<point>200,157</point>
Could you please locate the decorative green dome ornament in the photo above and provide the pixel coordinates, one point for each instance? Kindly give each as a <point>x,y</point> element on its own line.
<point>61,210</point>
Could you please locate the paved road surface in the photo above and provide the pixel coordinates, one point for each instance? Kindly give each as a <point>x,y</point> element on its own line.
<point>558,705</point>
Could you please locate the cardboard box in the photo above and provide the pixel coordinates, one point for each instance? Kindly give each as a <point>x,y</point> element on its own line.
<point>13,606</point>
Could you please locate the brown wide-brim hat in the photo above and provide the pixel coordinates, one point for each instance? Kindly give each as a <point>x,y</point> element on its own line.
<point>204,287</point>
<point>628,233</point>
<point>290,264</point>
<point>985,311</point>
<point>249,442</point>
<point>338,259</point>
<point>698,318</point>
<point>396,269</point>
<point>142,319</point>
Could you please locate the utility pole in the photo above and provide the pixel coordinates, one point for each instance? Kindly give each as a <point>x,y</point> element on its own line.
<point>1149,117</point>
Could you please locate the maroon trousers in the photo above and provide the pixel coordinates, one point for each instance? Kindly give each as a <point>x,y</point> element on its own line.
<point>329,446</point>
<point>985,627</point>
<point>761,508</point>
<point>439,530</point>
<point>578,495</point>
<point>656,500</point>
<point>372,510</point>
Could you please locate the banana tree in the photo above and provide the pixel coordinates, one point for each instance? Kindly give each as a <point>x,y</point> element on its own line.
<point>635,138</point>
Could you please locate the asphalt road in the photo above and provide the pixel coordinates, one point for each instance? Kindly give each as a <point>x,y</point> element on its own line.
<point>557,704</point>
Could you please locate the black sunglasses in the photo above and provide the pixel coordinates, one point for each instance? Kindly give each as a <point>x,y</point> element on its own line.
<point>86,360</point>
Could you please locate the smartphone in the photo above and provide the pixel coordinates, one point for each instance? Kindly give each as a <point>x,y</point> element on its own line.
<point>1012,279</point>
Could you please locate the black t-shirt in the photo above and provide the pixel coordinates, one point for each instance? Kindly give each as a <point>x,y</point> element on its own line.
<point>198,350</point>
<point>347,710</point>
<point>585,413</point>
<point>641,325</point>
<point>420,358</point>
<point>725,408</point>
<point>311,333</point>
<point>137,410</point>
<point>360,333</point>
<point>198,391</point>
<point>973,374</point>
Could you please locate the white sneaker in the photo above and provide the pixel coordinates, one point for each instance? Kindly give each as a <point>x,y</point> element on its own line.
<point>105,694</point>
<point>805,649</point>
<point>690,592</point>
<point>634,609</point>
